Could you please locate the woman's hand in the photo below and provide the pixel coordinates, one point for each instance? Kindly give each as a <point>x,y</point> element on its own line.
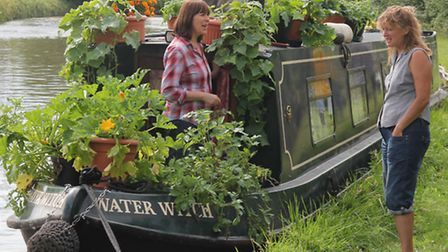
<point>211,101</point>
<point>397,132</point>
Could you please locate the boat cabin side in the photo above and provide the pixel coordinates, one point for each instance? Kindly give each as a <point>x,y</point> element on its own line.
<point>325,98</point>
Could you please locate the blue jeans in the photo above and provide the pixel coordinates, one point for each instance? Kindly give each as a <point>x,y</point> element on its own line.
<point>402,158</point>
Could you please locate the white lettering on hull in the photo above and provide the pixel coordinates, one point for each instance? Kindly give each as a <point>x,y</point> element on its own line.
<point>127,206</point>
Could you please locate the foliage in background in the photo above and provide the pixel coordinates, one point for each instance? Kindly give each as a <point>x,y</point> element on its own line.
<point>432,13</point>
<point>171,9</point>
<point>243,30</point>
<point>310,13</point>
<point>358,221</point>
<point>10,10</point>
<point>442,49</point>
<point>358,14</point>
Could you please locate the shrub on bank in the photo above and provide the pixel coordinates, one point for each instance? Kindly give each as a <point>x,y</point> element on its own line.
<point>10,10</point>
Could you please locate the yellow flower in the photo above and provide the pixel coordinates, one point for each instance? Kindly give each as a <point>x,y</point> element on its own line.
<point>107,125</point>
<point>121,96</point>
<point>23,181</point>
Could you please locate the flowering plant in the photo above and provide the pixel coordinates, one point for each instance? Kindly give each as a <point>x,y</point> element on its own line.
<point>65,126</point>
<point>130,7</point>
<point>120,110</point>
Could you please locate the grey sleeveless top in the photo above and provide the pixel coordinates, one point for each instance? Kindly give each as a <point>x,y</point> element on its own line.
<point>400,91</point>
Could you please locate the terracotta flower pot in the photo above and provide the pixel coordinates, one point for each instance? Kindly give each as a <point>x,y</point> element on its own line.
<point>213,31</point>
<point>102,145</point>
<point>290,34</point>
<point>335,18</point>
<point>133,25</point>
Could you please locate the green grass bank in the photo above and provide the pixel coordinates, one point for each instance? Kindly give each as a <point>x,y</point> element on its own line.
<point>442,48</point>
<point>357,220</point>
<point>10,9</point>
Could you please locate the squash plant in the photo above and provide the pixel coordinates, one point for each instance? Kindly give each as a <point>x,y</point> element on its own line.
<point>84,58</point>
<point>216,171</point>
<point>243,30</point>
<point>27,141</point>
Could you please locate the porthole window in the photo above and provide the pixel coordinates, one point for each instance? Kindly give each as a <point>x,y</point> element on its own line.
<point>321,108</point>
<point>358,95</point>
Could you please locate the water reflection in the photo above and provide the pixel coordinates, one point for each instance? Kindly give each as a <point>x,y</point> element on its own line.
<point>31,54</point>
<point>30,69</point>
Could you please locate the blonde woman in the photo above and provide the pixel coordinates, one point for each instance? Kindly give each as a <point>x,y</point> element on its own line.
<point>404,117</point>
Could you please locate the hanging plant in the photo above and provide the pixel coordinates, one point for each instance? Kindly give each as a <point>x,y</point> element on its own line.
<point>243,29</point>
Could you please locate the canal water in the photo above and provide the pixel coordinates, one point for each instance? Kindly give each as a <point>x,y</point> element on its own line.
<point>31,56</point>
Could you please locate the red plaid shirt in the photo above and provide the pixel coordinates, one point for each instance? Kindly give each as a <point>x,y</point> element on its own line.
<point>185,70</point>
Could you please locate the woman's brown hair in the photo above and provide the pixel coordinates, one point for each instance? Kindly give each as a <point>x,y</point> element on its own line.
<point>184,22</point>
<point>404,17</point>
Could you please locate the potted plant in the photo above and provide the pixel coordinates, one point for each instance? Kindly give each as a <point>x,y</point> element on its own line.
<point>170,10</point>
<point>65,127</point>
<point>115,116</point>
<point>86,54</point>
<point>244,29</point>
<point>302,20</point>
<point>357,13</point>
<point>334,11</point>
<point>222,176</point>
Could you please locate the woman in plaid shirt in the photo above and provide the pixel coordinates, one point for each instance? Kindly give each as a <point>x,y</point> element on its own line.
<point>186,80</point>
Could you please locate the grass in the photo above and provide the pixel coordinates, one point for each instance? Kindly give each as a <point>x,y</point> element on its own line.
<point>357,220</point>
<point>442,48</point>
<point>10,9</point>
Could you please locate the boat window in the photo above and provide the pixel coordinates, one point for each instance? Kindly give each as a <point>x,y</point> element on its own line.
<point>358,95</point>
<point>321,108</point>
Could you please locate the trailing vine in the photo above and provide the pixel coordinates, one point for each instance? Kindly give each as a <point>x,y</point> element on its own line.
<point>243,30</point>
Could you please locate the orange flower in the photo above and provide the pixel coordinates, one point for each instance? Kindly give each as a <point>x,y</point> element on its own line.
<point>114,5</point>
<point>131,3</point>
<point>107,125</point>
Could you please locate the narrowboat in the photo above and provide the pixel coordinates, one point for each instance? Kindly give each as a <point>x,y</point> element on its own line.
<point>321,124</point>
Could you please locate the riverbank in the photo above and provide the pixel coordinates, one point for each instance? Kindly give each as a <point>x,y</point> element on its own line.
<point>442,48</point>
<point>11,10</point>
<point>357,219</point>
